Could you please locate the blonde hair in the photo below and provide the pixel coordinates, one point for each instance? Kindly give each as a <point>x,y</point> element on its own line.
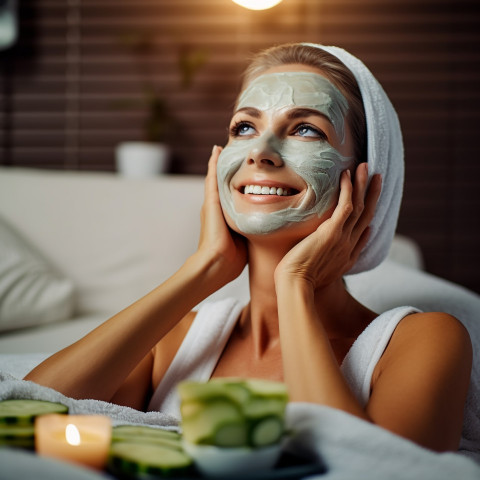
<point>332,68</point>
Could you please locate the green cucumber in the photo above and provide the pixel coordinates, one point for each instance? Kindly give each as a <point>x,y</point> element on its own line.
<point>267,388</point>
<point>233,434</point>
<point>231,412</point>
<point>146,434</point>
<point>203,425</point>
<point>15,436</point>
<point>259,407</point>
<point>215,389</point>
<point>23,412</point>
<point>26,443</point>
<point>140,458</point>
<point>7,431</point>
<point>267,431</point>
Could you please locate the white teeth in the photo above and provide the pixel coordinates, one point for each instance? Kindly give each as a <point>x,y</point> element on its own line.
<point>259,190</point>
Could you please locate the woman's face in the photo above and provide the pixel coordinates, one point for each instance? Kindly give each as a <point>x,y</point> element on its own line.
<point>288,144</point>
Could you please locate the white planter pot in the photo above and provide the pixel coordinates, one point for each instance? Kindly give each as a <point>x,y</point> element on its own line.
<point>142,159</point>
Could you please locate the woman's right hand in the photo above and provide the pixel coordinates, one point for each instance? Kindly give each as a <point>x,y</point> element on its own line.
<point>224,251</point>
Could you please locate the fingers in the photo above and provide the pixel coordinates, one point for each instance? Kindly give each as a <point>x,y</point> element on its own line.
<point>211,197</point>
<point>373,194</point>
<point>344,208</point>
<point>364,198</point>
<point>358,196</point>
<point>211,179</point>
<point>356,207</point>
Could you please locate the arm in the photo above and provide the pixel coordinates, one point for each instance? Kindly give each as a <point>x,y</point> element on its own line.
<point>420,385</point>
<point>98,365</point>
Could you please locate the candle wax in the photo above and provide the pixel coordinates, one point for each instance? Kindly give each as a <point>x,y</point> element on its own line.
<point>89,447</point>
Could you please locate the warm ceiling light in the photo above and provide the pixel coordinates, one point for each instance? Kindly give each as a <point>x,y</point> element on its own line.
<point>257,4</point>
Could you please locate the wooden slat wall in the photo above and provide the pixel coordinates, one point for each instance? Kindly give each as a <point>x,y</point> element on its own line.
<point>61,85</point>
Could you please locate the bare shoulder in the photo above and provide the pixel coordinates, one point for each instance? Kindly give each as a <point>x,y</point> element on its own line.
<point>420,384</point>
<point>431,331</point>
<point>165,350</point>
<point>435,342</point>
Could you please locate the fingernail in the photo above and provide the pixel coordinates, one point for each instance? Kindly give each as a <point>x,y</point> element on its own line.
<point>349,174</point>
<point>214,148</point>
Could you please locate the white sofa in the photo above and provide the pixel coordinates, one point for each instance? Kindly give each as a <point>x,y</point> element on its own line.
<point>95,242</point>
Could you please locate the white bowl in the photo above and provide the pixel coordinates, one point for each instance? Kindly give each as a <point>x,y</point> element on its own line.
<point>217,462</point>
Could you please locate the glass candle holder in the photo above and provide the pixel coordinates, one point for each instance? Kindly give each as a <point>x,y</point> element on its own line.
<point>81,439</point>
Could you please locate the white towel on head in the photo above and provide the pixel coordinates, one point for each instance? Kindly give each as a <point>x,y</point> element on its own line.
<point>385,156</point>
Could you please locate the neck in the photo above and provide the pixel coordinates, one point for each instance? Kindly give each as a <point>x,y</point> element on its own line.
<point>262,261</point>
<point>342,316</point>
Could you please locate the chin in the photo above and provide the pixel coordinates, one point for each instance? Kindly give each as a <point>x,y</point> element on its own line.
<point>291,231</point>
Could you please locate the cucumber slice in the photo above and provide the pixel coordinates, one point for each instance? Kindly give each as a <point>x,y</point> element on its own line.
<point>266,432</point>
<point>15,436</point>
<point>23,412</point>
<point>267,388</point>
<point>230,412</point>
<point>215,389</point>
<point>202,427</point>
<point>261,407</point>
<point>144,430</point>
<point>139,458</point>
<point>26,443</point>
<point>231,435</point>
<point>145,434</point>
<point>16,431</point>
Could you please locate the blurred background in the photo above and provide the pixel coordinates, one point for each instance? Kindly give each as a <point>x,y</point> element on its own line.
<point>85,75</point>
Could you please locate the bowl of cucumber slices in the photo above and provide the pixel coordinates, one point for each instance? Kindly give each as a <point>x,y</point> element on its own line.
<point>232,425</point>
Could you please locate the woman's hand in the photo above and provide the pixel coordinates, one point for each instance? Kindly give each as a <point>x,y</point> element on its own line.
<point>224,250</point>
<point>329,252</point>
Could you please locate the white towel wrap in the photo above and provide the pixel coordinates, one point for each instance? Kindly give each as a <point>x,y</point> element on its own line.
<point>384,154</point>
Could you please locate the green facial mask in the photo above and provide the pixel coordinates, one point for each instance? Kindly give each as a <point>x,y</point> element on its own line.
<point>316,162</point>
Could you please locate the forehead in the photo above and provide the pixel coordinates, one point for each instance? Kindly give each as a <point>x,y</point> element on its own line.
<point>301,89</point>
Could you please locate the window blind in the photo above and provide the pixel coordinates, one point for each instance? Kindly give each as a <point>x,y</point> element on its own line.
<point>73,88</point>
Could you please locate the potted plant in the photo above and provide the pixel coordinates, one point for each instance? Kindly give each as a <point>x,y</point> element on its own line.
<point>151,155</point>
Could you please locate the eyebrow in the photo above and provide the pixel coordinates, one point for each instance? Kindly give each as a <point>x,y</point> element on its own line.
<point>305,112</point>
<point>253,112</point>
<point>298,112</point>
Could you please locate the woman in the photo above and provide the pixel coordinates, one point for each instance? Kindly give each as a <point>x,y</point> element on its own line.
<point>290,195</point>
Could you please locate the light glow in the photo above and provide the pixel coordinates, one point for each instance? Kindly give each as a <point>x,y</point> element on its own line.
<point>72,435</point>
<point>257,4</point>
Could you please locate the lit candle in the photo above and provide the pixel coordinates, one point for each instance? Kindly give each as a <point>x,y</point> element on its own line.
<point>83,439</point>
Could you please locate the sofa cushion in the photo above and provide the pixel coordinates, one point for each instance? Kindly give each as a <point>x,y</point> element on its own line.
<point>31,292</point>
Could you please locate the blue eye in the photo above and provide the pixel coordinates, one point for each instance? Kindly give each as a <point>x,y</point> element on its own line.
<point>309,132</point>
<point>242,129</point>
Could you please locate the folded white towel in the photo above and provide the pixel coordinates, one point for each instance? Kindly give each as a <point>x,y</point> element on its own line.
<point>352,448</point>
<point>385,156</point>
<point>12,388</point>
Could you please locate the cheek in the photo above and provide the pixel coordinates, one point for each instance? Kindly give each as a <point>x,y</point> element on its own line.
<point>320,166</point>
<point>229,161</point>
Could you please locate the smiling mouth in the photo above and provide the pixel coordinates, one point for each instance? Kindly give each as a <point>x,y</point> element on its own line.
<point>264,190</point>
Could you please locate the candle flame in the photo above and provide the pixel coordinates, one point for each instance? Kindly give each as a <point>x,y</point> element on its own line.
<point>72,434</point>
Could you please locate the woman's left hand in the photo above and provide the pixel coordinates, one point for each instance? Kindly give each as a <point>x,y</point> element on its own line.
<point>334,247</point>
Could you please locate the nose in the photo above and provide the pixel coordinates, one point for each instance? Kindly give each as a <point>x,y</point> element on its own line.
<point>265,154</point>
